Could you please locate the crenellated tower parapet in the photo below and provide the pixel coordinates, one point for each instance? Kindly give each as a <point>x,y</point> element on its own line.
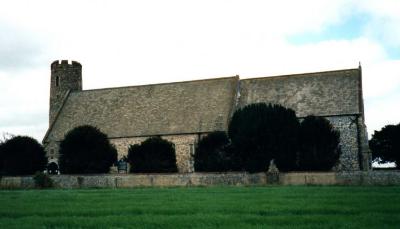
<point>65,76</point>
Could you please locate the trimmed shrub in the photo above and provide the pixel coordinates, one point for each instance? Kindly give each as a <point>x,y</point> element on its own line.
<point>154,155</point>
<point>211,154</point>
<point>85,149</point>
<point>385,145</point>
<point>261,132</point>
<point>319,144</point>
<point>42,180</point>
<point>22,155</point>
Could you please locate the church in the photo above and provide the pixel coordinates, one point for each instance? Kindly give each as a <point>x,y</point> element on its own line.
<point>183,112</point>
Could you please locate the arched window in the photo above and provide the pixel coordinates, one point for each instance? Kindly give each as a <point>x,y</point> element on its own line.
<point>57,81</point>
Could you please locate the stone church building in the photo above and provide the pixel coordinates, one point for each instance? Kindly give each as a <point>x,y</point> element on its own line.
<point>183,112</point>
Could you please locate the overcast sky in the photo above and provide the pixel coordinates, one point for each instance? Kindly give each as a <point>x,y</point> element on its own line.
<point>121,43</point>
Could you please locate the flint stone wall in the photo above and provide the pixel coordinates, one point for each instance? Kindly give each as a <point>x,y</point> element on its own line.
<point>184,148</point>
<point>209,179</point>
<point>347,126</point>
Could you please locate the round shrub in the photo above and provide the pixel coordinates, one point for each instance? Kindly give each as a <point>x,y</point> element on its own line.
<point>261,132</point>
<point>85,149</point>
<point>211,154</point>
<point>154,155</point>
<point>385,145</point>
<point>319,144</point>
<point>22,155</point>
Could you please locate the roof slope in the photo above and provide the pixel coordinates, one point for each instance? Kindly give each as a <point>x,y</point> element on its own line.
<point>160,109</point>
<point>321,93</point>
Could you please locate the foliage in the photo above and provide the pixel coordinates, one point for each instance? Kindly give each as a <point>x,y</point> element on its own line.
<point>385,145</point>
<point>1,160</point>
<point>211,154</point>
<point>261,132</point>
<point>154,155</point>
<point>85,149</point>
<point>42,180</point>
<point>319,144</point>
<point>22,155</point>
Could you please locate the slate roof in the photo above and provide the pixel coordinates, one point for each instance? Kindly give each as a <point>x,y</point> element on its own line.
<point>204,106</point>
<point>160,109</point>
<point>319,93</point>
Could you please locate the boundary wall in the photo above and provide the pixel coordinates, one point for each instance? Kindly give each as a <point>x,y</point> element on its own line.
<point>209,179</point>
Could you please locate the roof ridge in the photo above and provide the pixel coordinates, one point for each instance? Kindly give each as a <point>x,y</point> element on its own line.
<point>299,74</point>
<point>158,84</point>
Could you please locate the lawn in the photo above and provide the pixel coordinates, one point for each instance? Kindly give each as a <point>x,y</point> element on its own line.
<point>204,207</point>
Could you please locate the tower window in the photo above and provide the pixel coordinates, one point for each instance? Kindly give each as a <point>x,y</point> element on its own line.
<point>57,81</point>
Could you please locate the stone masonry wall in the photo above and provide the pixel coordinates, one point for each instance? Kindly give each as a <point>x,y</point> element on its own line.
<point>347,125</point>
<point>184,148</point>
<point>64,77</point>
<point>209,179</point>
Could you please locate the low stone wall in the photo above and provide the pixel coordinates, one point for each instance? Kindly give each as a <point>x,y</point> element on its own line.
<point>210,179</point>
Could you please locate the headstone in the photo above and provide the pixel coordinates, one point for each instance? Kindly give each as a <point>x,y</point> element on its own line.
<point>272,173</point>
<point>122,166</point>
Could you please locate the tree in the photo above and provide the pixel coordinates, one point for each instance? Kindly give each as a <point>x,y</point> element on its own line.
<point>22,155</point>
<point>319,144</point>
<point>385,145</point>
<point>154,155</point>
<point>261,132</point>
<point>85,149</point>
<point>211,154</point>
<point>5,136</point>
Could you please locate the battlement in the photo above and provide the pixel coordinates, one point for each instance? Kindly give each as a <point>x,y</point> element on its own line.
<point>65,64</point>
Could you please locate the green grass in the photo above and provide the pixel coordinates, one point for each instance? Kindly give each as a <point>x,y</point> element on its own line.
<point>211,207</point>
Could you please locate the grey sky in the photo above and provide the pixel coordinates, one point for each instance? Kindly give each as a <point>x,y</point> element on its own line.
<point>123,43</point>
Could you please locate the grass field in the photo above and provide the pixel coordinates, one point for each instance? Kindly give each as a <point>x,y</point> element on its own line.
<point>211,207</point>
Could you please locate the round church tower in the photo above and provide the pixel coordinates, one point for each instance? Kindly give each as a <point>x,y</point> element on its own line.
<point>65,77</point>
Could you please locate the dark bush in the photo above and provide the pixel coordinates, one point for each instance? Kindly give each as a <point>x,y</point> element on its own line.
<point>22,155</point>
<point>385,145</point>
<point>42,180</point>
<point>319,144</point>
<point>1,160</point>
<point>154,155</point>
<point>211,154</point>
<point>85,149</point>
<point>261,132</point>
